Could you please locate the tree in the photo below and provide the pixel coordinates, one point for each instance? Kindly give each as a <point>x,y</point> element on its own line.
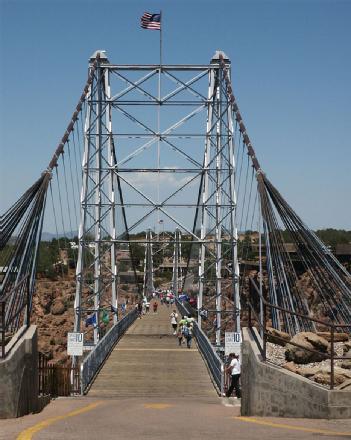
<point>137,253</point>
<point>48,256</point>
<point>332,237</point>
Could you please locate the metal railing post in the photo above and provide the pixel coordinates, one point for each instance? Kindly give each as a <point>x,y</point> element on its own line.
<point>222,379</point>
<point>28,304</point>
<point>332,357</point>
<point>249,304</point>
<point>3,329</point>
<point>264,339</point>
<point>249,315</point>
<point>81,383</point>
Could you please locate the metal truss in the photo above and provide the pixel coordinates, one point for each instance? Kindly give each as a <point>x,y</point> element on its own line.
<point>171,151</point>
<point>96,271</point>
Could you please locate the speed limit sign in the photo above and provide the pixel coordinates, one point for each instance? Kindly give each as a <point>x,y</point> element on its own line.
<point>75,344</point>
<point>232,343</point>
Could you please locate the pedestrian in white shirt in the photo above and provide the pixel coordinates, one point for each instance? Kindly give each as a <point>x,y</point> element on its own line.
<point>174,321</point>
<point>234,368</point>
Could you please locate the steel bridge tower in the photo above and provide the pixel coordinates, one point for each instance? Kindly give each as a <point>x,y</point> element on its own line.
<point>96,272</point>
<point>218,231</point>
<point>171,154</point>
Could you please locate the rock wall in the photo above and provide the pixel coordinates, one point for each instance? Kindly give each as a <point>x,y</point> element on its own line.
<point>271,391</point>
<point>53,314</point>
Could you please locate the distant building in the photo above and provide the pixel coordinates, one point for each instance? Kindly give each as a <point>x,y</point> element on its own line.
<point>123,255</point>
<point>290,248</point>
<point>129,276</point>
<point>343,252</point>
<point>254,236</point>
<point>167,264</point>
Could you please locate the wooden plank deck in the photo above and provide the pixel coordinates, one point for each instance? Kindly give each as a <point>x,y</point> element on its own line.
<point>148,362</point>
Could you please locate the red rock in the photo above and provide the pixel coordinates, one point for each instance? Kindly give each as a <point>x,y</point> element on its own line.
<point>290,366</point>
<point>58,308</point>
<point>306,341</point>
<point>338,337</point>
<point>274,334</point>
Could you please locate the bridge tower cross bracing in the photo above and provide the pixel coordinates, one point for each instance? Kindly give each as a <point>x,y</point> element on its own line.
<point>96,272</point>
<point>199,155</point>
<point>218,231</point>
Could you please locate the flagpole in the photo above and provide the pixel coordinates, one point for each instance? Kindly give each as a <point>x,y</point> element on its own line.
<point>160,38</point>
<point>159,129</point>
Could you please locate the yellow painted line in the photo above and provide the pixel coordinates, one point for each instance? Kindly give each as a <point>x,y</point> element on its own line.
<point>157,349</point>
<point>157,405</point>
<point>291,427</point>
<point>28,433</point>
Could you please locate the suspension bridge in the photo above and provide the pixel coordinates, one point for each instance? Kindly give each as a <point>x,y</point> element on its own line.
<point>158,158</point>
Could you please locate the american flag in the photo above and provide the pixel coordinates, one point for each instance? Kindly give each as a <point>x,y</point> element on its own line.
<point>151,21</point>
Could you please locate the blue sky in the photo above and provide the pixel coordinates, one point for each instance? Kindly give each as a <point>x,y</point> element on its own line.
<point>291,70</point>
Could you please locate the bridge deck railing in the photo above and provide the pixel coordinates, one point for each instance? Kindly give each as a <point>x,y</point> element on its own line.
<point>260,321</point>
<point>213,361</point>
<point>95,359</point>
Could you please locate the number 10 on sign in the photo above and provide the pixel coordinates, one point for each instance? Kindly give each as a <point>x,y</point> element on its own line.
<point>75,344</point>
<point>232,343</point>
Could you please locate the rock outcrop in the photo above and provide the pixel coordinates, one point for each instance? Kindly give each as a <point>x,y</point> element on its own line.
<point>53,314</point>
<point>290,366</point>
<point>58,308</point>
<point>302,352</point>
<point>338,337</point>
<point>277,337</point>
<point>346,385</point>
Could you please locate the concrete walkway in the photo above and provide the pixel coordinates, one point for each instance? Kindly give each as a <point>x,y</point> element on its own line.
<point>148,362</point>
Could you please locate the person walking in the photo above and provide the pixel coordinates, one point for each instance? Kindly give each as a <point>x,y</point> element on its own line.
<point>180,335</point>
<point>181,324</point>
<point>147,307</point>
<point>183,321</point>
<point>140,309</point>
<point>174,322</point>
<point>154,306</point>
<point>188,334</point>
<point>191,320</point>
<point>234,369</point>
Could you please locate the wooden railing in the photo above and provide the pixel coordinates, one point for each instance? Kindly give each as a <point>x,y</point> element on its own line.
<point>57,380</point>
